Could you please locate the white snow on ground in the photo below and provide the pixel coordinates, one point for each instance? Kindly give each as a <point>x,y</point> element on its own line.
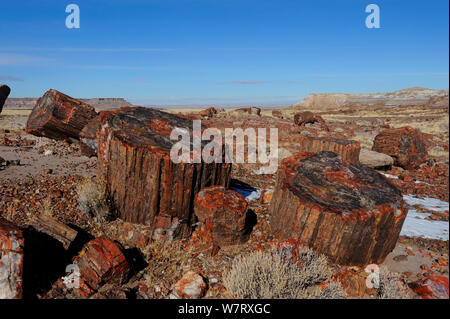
<point>390,176</point>
<point>426,202</point>
<point>416,225</point>
<point>396,177</point>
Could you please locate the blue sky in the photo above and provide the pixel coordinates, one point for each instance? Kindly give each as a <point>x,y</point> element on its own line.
<point>167,52</point>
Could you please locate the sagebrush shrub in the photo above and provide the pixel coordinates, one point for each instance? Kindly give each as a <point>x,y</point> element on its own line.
<point>92,199</point>
<point>271,275</point>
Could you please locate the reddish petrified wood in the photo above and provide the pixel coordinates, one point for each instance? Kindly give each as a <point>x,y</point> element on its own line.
<point>348,150</point>
<point>209,112</point>
<point>223,215</point>
<point>251,110</point>
<point>277,113</point>
<point>145,185</point>
<point>101,261</point>
<point>307,117</point>
<point>59,116</point>
<point>347,211</point>
<point>404,144</point>
<point>11,260</point>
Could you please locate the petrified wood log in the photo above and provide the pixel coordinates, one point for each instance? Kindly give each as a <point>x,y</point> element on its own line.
<point>100,262</point>
<point>4,92</point>
<point>348,150</point>
<point>307,117</point>
<point>59,116</point>
<point>145,185</point>
<point>277,113</point>
<point>346,211</point>
<point>209,112</point>
<point>222,215</point>
<point>404,144</point>
<point>251,110</point>
<point>60,231</point>
<point>11,260</point>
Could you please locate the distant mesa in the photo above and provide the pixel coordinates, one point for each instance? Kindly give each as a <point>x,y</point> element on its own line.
<point>416,96</point>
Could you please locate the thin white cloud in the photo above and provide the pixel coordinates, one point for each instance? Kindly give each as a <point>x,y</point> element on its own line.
<point>88,50</point>
<point>10,78</point>
<point>20,59</point>
<point>241,82</point>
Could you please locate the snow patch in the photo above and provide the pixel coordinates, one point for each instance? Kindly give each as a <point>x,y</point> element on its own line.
<point>416,225</point>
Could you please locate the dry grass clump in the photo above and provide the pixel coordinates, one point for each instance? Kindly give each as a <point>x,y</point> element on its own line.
<point>167,263</point>
<point>391,286</point>
<point>93,200</point>
<point>271,275</point>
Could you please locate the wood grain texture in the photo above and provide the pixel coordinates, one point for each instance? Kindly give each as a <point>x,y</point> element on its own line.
<point>346,211</point>
<point>144,184</point>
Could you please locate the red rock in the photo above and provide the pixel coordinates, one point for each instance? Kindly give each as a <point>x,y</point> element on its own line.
<point>432,288</point>
<point>190,286</point>
<point>346,211</point>
<point>266,196</point>
<point>348,150</point>
<point>101,261</point>
<point>223,215</point>
<point>11,260</point>
<point>405,145</point>
<point>354,283</point>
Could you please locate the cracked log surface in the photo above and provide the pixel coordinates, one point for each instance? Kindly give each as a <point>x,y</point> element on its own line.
<point>223,215</point>
<point>346,211</point>
<point>59,116</point>
<point>405,145</point>
<point>144,184</point>
<point>347,149</point>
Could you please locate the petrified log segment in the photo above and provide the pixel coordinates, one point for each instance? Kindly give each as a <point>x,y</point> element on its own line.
<point>4,92</point>
<point>251,110</point>
<point>347,211</point>
<point>101,261</point>
<point>209,112</point>
<point>59,116</point>
<point>277,113</point>
<point>348,150</point>
<point>60,231</point>
<point>11,260</point>
<point>404,144</point>
<point>303,118</point>
<point>146,186</point>
<point>222,214</point>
